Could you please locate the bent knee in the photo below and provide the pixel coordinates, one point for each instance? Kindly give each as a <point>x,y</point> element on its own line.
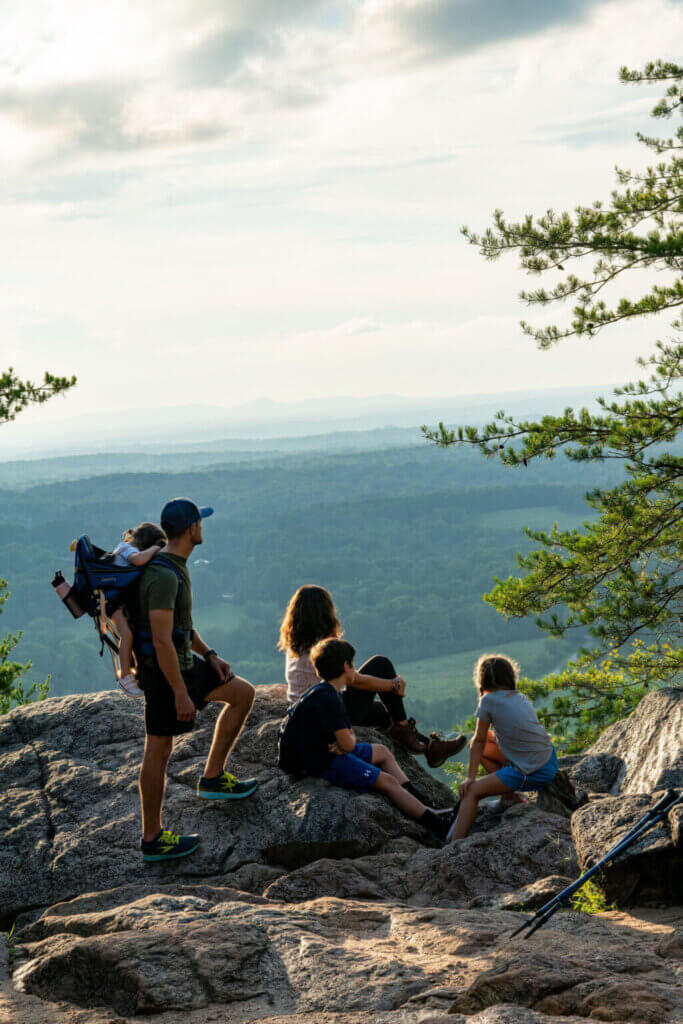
<point>478,791</point>
<point>243,693</point>
<point>386,782</point>
<point>380,752</point>
<point>379,666</point>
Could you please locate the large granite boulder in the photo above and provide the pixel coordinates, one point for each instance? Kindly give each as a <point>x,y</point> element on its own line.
<point>631,765</point>
<point>495,865</point>
<point>141,950</point>
<point>650,870</point>
<point>641,753</point>
<point>69,811</point>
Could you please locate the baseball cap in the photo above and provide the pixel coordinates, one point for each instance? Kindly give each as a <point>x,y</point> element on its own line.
<point>181,513</point>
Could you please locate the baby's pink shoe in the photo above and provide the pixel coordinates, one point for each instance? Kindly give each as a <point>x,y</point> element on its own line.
<point>129,685</point>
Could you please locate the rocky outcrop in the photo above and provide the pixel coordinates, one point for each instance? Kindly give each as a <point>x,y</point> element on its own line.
<point>596,773</point>
<point>649,871</point>
<point>307,904</point>
<point>69,803</point>
<point>141,950</point>
<point>641,753</point>
<point>635,761</point>
<point>500,859</point>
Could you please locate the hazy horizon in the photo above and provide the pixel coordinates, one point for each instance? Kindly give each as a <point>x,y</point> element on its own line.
<point>266,420</point>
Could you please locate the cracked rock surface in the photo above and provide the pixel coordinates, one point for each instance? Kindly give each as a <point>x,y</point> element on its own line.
<point>69,809</point>
<point>307,904</point>
<point>633,763</point>
<point>138,952</point>
<point>69,803</point>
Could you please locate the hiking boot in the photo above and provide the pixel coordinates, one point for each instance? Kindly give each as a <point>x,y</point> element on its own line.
<point>406,734</point>
<point>225,787</point>
<point>167,846</point>
<point>439,749</point>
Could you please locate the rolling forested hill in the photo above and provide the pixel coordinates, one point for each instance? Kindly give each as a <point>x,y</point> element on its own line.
<point>406,539</point>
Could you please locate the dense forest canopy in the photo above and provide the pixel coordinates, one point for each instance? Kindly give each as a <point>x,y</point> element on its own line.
<point>406,550</point>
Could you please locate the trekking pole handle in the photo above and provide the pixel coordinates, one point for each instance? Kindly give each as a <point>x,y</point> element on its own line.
<point>670,797</point>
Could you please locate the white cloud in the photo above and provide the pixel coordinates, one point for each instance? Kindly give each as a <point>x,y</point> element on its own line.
<point>276,190</point>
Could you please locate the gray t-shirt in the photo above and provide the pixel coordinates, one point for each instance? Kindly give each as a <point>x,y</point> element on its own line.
<point>520,735</point>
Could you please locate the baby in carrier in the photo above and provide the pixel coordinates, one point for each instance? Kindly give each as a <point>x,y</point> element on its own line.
<point>137,548</point>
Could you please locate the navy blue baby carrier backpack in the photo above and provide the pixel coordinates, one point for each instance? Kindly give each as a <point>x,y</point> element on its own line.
<point>101,587</point>
<point>288,758</point>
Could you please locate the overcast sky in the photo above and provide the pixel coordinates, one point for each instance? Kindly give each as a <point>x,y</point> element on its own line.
<point>218,200</point>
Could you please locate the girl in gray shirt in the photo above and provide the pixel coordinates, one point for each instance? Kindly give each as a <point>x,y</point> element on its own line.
<point>510,742</point>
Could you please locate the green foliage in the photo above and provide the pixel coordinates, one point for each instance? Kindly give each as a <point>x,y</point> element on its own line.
<point>639,228</point>
<point>16,395</point>
<point>590,899</point>
<point>11,947</point>
<point>620,576</point>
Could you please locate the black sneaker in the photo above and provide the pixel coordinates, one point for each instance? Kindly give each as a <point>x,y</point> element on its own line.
<point>168,846</point>
<point>447,812</point>
<point>225,787</point>
<point>439,825</point>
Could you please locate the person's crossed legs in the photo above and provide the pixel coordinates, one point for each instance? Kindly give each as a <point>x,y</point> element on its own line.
<point>493,759</point>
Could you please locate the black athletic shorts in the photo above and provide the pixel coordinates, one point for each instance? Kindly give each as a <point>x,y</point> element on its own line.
<point>160,715</point>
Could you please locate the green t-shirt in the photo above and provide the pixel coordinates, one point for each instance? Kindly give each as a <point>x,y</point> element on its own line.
<point>158,589</point>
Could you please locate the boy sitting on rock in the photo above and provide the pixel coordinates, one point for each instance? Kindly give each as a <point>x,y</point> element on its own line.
<point>321,742</point>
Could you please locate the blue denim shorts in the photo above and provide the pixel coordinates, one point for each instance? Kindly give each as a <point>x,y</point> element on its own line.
<point>542,777</point>
<point>354,770</point>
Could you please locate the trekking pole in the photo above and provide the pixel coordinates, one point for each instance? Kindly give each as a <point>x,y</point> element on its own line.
<point>648,821</point>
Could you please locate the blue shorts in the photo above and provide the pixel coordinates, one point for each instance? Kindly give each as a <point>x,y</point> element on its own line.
<point>542,777</point>
<point>354,770</point>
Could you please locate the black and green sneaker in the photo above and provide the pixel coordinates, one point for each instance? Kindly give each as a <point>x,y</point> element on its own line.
<point>168,846</point>
<point>225,787</point>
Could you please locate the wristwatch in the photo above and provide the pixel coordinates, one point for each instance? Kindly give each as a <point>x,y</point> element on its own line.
<point>207,654</point>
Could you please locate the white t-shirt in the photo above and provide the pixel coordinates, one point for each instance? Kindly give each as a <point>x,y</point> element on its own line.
<point>300,675</point>
<point>122,553</point>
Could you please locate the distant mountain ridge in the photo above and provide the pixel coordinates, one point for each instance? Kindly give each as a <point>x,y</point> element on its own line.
<point>262,420</point>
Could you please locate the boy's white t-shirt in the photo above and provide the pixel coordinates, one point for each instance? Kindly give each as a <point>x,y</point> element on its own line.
<point>519,734</point>
<point>299,674</point>
<point>122,553</point>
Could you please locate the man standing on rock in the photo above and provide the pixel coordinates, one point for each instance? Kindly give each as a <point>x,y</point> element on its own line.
<point>180,675</point>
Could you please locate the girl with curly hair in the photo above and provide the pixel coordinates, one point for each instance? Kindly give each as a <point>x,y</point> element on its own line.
<point>374,698</point>
<point>509,742</point>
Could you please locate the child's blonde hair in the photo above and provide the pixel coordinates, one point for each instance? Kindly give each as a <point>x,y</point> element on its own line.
<point>495,672</point>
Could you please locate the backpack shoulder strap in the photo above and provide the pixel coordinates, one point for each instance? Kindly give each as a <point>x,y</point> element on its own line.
<point>167,563</point>
<point>142,641</point>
